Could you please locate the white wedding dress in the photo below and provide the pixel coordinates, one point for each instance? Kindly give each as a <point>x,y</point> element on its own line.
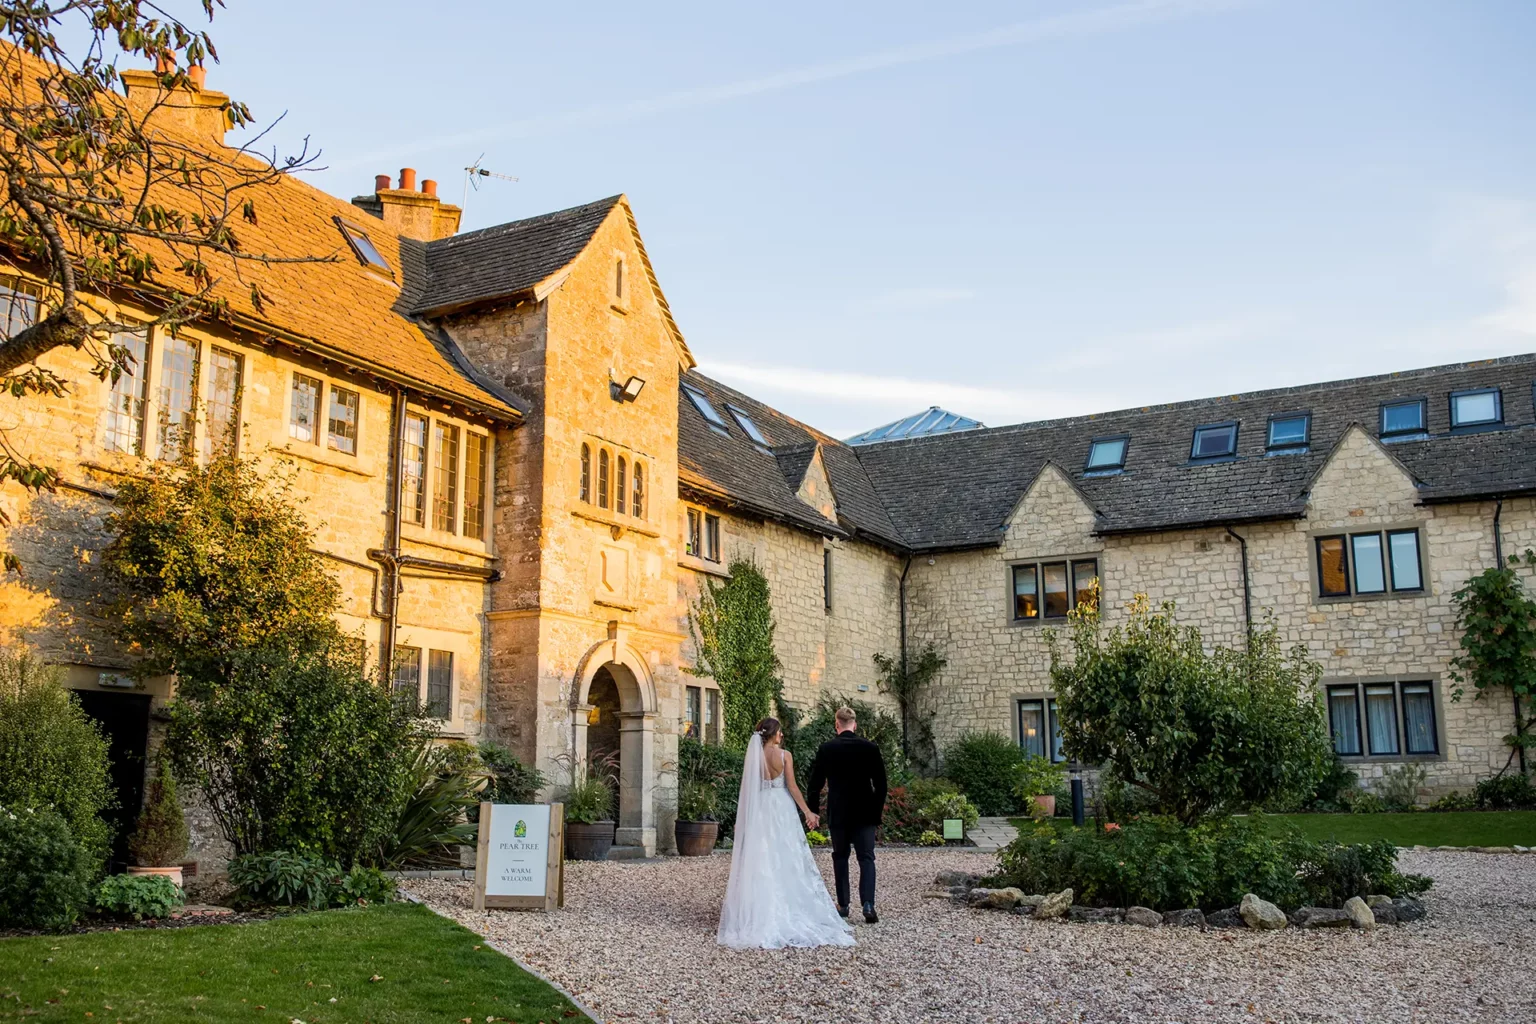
<point>775,897</point>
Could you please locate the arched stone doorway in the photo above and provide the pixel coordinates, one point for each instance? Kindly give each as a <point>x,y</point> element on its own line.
<point>615,682</point>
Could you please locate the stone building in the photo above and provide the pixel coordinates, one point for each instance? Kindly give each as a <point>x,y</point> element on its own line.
<point>522,481</point>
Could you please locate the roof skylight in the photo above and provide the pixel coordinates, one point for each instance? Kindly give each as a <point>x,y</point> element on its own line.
<point>1399,419</point>
<point>701,402</point>
<point>362,246</point>
<point>1290,431</point>
<point>1214,441</point>
<point>1107,453</point>
<point>747,426</point>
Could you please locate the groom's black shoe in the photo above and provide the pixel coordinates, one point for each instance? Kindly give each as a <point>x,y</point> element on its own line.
<point>870,917</point>
<point>842,911</point>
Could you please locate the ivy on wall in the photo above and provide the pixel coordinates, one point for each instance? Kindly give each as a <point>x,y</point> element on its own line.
<point>731,625</point>
<point>1498,643</point>
<point>910,681</point>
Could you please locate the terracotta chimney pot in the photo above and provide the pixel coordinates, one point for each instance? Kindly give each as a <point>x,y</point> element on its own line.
<point>196,74</point>
<point>408,179</point>
<point>380,182</point>
<point>429,187</point>
<point>165,63</point>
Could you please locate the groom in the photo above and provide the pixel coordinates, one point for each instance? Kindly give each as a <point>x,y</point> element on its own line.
<point>854,773</point>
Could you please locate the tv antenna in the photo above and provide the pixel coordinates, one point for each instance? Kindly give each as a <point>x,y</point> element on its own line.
<point>474,172</point>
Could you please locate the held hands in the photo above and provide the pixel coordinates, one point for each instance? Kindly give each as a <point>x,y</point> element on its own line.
<point>812,819</point>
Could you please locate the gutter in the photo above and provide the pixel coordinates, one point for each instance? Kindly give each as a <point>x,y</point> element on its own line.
<point>1498,563</point>
<point>901,600</point>
<point>392,561</point>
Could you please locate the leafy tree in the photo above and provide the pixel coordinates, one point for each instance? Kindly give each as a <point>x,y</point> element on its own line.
<point>51,753</point>
<point>731,625</point>
<point>1497,618</point>
<point>911,682</point>
<point>1199,731</point>
<point>297,751</point>
<point>97,200</point>
<point>212,561</point>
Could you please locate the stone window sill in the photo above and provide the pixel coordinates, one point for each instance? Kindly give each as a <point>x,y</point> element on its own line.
<point>704,566</point>
<point>619,524</point>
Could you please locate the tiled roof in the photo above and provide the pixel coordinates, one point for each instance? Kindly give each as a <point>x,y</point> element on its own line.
<point>728,465</point>
<point>336,308</point>
<point>958,490</point>
<point>931,420</point>
<point>507,260</point>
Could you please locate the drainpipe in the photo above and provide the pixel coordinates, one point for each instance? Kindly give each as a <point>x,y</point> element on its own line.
<point>1242,547</point>
<point>1498,562</point>
<point>901,600</point>
<point>391,558</point>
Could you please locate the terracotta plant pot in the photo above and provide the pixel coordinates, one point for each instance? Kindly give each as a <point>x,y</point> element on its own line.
<point>1045,806</point>
<point>588,842</point>
<point>696,838</point>
<point>174,874</point>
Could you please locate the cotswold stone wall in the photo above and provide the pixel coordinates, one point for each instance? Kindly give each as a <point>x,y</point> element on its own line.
<point>821,652</point>
<point>962,600</point>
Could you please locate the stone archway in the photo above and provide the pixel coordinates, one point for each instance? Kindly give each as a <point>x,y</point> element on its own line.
<point>615,681</point>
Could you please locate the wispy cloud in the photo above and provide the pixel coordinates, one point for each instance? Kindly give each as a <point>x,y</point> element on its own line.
<point>1098,21</point>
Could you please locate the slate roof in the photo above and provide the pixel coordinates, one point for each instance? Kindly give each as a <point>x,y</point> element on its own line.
<point>729,466</point>
<point>502,262</point>
<point>958,490</point>
<point>931,420</point>
<point>337,308</point>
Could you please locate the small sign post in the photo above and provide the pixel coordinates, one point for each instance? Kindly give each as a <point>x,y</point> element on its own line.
<point>520,859</point>
<point>954,828</point>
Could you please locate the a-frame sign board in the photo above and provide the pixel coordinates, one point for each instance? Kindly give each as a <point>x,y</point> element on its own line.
<point>520,859</point>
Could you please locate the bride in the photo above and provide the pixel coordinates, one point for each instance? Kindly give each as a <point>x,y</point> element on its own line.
<point>776,896</point>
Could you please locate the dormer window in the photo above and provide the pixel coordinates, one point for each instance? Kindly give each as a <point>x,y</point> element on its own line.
<point>1402,419</point>
<point>363,247</point>
<point>701,402</point>
<point>1290,432</point>
<point>748,427</point>
<point>1214,441</point>
<point>1107,454</point>
<point>1481,408</point>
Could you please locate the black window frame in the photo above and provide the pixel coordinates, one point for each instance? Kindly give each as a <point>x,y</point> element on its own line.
<point>1125,450</point>
<point>706,409</point>
<point>1389,435</point>
<point>748,426</point>
<point>1038,566</point>
<point>1475,425</point>
<point>1357,692</point>
<point>1389,569</point>
<point>1288,446</point>
<point>826,579</point>
<point>1194,442</point>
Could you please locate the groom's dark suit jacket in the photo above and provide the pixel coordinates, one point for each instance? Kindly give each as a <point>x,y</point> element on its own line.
<point>854,773</point>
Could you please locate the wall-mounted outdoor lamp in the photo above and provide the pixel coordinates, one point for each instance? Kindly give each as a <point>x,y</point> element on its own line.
<point>627,391</point>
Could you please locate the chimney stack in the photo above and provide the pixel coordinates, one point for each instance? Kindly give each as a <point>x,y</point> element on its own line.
<point>190,107</point>
<point>407,212</point>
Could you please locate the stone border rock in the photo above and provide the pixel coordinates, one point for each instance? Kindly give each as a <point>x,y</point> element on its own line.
<point>1472,849</point>
<point>964,888</point>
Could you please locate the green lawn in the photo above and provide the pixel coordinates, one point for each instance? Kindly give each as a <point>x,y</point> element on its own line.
<point>316,968</point>
<point>1426,828</point>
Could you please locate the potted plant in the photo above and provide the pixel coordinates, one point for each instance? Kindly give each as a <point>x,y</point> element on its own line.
<point>159,839</point>
<point>589,824</point>
<point>697,826</point>
<point>1037,781</point>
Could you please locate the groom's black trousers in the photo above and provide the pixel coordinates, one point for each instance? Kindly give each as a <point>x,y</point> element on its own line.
<point>860,840</point>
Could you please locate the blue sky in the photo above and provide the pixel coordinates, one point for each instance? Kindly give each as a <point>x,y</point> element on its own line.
<point>1014,210</point>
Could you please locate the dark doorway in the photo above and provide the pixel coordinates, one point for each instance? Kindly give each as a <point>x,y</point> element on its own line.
<point>124,721</point>
<point>603,734</point>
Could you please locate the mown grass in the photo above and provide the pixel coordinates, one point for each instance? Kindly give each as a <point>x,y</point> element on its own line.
<point>317,968</point>
<point>1416,828</point>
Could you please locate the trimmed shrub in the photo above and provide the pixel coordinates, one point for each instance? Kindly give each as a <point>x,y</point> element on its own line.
<point>511,782</point>
<point>985,765</point>
<point>949,805</point>
<point>1510,792</point>
<point>45,874</point>
<point>923,791</point>
<point>51,753</point>
<point>160,838</point>
<point>1160,863</point>
<point>138,896</point>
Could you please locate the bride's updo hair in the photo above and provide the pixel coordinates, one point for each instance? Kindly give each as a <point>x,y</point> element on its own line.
<point>768,728</point>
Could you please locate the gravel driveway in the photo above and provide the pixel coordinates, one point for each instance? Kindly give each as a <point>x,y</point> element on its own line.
<point>636,941</point>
